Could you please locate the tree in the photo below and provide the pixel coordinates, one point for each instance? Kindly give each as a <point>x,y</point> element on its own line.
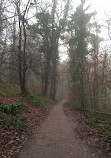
<point>22,64</point>
<point>78,52</point>
<point>50,28</point>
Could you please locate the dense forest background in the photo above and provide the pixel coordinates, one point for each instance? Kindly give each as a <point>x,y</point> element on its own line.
<point>33,35</point>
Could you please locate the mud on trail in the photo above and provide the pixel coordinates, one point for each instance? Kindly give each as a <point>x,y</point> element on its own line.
<point>57,139</point>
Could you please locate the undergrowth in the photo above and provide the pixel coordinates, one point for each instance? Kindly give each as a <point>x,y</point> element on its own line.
<point>11,117</point>
<point>12,90</point>
<point>104,125</point>
<point>13,109</point>
<point>38,101</point>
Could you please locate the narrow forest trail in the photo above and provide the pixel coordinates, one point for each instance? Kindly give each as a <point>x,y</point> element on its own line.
<point>56,139</point>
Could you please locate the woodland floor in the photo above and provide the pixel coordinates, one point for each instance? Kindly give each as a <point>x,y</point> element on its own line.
<point>65,134</point>
<point>11,140</point>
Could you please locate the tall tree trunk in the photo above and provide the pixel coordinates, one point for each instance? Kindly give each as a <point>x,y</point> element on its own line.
<point>24,91</point>
<point>46,78</point>
<point>53,80</point>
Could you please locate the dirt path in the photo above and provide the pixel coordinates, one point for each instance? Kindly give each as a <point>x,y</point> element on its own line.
<point>56,139</point>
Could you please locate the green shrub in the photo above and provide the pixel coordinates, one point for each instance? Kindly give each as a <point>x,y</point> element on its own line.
<point>13,109</point>
<point>21,123</point>
<point>12,90</point>
<point>38,100</point>
<point>34,100</point>
<point>102,125</point>
<point>11,121</point>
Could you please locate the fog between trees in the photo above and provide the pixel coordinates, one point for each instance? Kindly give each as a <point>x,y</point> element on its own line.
<point>30,36</point>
